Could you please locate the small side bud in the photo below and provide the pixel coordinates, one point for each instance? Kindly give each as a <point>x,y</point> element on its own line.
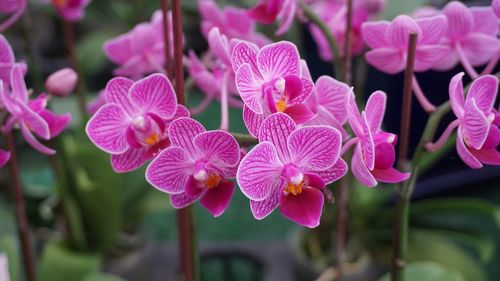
<point>62,82</point>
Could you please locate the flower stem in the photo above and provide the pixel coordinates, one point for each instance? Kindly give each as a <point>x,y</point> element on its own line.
<point>465,62</point>
<point>166,38</point>
<point>400,234</point>
<point>70,38</point>
<point>20,209</point>
<point>245,140</point>
<point>336,61</point>
<point>185,215</point>
<point>491,64</point>
<point>444,137</point>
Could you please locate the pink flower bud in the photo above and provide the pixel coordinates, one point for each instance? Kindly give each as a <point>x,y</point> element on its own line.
<point>62,82</point>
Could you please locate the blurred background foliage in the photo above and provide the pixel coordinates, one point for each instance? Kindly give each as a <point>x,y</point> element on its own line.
<point>85,216</point>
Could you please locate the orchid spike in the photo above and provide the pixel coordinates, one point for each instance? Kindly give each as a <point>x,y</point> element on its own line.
<point>70,10</point>
<point>231,21</point>
<point>329,101</point>
<point>269,11</point>
<point>270,80</point>
<point>196,166</point>
<point>140,51</point>
<point>30,115</point>
<point>374,154</point>
<point>4,157</point>
<point>15,8</point>
<point>471,37</point>
<point>132,125</point>
<point>478,134</point>
<point>289,168</point>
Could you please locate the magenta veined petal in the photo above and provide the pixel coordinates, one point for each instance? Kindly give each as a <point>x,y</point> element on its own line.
<point>315,148</point>
<point>433,29</point>
<point>4,157</point>
<point>304,208</point>
<point>34,121</point>
<point>390,175</point>
<point>475,126</point>
<point>464,152</point>
<point>216,199</point>
<point>219,45</point>
<point>117,92</point>
<point>261,209</point>
<point>484,91</point>
<point>276,129</point>
<point>332,174</point>
<point>479,48</point>
<point>128,161</point>
<point>354,116</point>
<point>278,60</point>
<point>28,136</point>
<point>360,170</point>
<point>249,88</point>
<point>300,113</point>
<point>219,147</point>
<point>259,173</point>
<point>457,98</point>
<point>332,95</point>
<point>427,56</point>
<point>244,52</point>
<point>374,33</point>
<point>18,84</point>
<point>397,33</point>
<point>181,200</point>
<point>485,20</point>
<point>106,129</point>
<point>487,156</point>
<point>154,94</point>
<point>389,60</point>
<point>170,170</point>
<point>367,144</point>
<point>375,110</point>
<point>182,132</point>
<point>253,121</point>
<point>460,19</point>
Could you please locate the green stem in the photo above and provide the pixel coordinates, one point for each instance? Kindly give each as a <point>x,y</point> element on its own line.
<point>244,139</point>
<point>336,60</point>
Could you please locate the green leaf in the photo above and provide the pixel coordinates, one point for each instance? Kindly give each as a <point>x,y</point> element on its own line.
<point>59,263</point>
<point>428,271</point>
<point>102,277</point>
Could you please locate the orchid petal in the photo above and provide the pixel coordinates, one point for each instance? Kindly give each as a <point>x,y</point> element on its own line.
<point>335,172</point>
<point>128,161</point>
<point>485,20</point>
<point>4,156</point>
<point>375,110</point>
<point>217,199</point>
<point>479,48</point>
<point>300,113</point>
<point>253,121</point>
<point>154,94</point>
<point>388,60</point>
<point>278,60</point>
<point>276,128</point>
<point>484,91</point>
<point>359,169</point>
<point>427,56</point>
<point>170,170</point>
<point>374,33</point>
<point>181,200</point>
<point>249,88</point>
<point>182,132</point>
<point>398,32</point>
<point>117,91</point>
<point>244,52</point>
<point>304,208</point>
<point>390,175</point>
<point>433,28</point>
<point>332,95</point>
<point>457,99</point>
<point>28,136</point>
<point>261,209</point>
<point>18,84</point>
<point>464,152</point>
<point>460,19</point>
<point>475,125</point>
<point>107,128</point>
<point>219,147</point>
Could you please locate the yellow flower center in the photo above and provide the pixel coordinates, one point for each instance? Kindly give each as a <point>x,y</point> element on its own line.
<point>294,189</point>
<point>153,139</point>
<point>212,181</point>
<point>281,105</point>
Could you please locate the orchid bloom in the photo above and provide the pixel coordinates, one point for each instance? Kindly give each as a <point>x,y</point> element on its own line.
<point>374,153</point>
<point>140,51</point>
<point>132,125</point>
<point>196,166</point>
<point>389,42</point>
<point>334,14</point>
<point>478,134</point>
<point>328,101</point>
<point>30,115</point>
<point>231,21</point>
<point>4,157</point>
<point>7,61</point>
<point>495,4</point>
<point>289,168</point>
<point>15,8</point>
<point>270,80</point>
<point>471,37</point>
<point>70,10</point>
<point>269,11</point>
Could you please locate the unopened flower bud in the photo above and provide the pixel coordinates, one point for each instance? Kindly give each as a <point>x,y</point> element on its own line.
<point>62,82</point>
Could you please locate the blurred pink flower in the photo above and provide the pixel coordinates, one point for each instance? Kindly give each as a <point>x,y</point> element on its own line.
<point>62,82</point>
<point>478,134</point>
<point>4,158</point>
<point>197,165</point>
<point>97,103</point>
<point>15,8</point>
<point>471,37</point>
<point>374,153</point>
<point>289,168</point>
<point>70,10</point>
<point>232,22</point>
<point>30,115</point>
<point>269,11</point>
<point>140,51</point>
<point>7,61</point>
<point>495,5</point>
<point>132,125</point>
<point>270,80</point>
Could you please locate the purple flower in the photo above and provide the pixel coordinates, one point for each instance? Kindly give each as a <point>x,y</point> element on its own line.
<point>197,165</point>
<point>270,80</point>
<point>30,115</point>
<point>289,168</point>
<point>132,126</point>
<point>389,42</point>
<point>374,154</point>
<point>140,51</point>
<point>71,10</point>
<point>495,5</point>
<point>7,61</point>
<point>478,134</point>
<point>4,157</point>
<point>14,7</point>
<point>231,21</point>
<point>471,37</point>
<point>97,103</point>
<point>268,11</point>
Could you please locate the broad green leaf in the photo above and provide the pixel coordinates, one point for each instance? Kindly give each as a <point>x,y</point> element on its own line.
<point>102,277</point>
<point>427,271</point>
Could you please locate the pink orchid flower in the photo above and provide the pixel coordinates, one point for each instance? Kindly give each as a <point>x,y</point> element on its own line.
<point>329,101</point>
<point>231,21</point>
<point>471,37</point>
<point>70,10</point>
<point>289,168</point>
<point>270,80</point>
<point>140,51</point>
<point>269,11</point>
<point>15,8</point>
<point>196,166</point>
<point>132,126</point>
<point>495,5</point>
<point>334,14</point>
<point>389,42</point>
<point>7,61</point>
<point>478,134</point>
<point>30,115</point>
<point>374,153</point>
<point>98,102</point>
<point>4,157</point>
